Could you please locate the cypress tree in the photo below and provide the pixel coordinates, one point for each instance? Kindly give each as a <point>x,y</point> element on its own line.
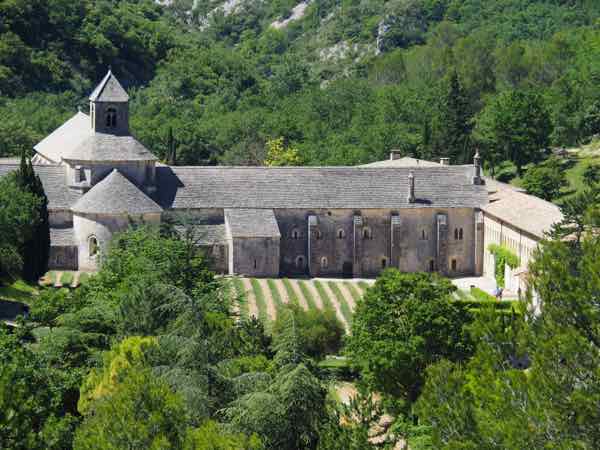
<point>451,127</point>
<point>35,251</point>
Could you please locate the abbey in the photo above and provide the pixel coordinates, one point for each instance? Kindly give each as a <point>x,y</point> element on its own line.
<point>258,221</point>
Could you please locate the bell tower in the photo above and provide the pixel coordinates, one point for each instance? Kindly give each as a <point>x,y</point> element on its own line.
<point>109,107</point>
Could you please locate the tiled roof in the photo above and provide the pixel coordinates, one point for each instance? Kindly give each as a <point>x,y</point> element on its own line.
<point>62,237</point>
<point>206,234</point>
<point>65,138</point>
<point>526,212</point>
<point>115,194</point>
<point>109,90</point>
<point>317,187</point>
<point>403,162</point>
<point>251,223</point>
<point>60,197</point>
<point>108,147</point>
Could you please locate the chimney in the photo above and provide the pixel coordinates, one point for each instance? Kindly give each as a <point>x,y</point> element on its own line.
<point>395,154</point>
<point>477,168</point>
<point>411,187</point>
<point>445,161</point>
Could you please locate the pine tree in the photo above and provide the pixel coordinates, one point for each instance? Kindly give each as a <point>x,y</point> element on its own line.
<point>171,148</point>
<point>451,122</point>
<point>36,250</point>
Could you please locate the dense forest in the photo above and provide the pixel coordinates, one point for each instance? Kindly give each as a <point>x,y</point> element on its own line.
<point>153,352</point>
<point>342,83</point>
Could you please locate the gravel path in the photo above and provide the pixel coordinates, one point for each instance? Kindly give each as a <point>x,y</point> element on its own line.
<point>336,305</point>
<point>347,295</point>
<point>271,305</point>
<point>315,294</point>
<point>250,299</point>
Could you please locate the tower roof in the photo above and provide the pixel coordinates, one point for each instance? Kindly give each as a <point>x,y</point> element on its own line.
<point>109,90</point>
<point>115,195</point>
<point>109,148</point>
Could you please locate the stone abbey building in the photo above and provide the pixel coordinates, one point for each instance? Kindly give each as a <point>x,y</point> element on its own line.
<point>258,221</point>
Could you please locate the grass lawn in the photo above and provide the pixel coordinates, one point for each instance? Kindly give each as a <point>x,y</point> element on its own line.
<point>83,277</point>
<point>238,285</point>
<point>66,278</point>
<point>346,311</point>
<point>364,285</point>
<point>293,298</point>
<point>275,294</point>
<point>324,297</point>
<point>353,291</point>
<point>261,302</point>
<point>310,301</point>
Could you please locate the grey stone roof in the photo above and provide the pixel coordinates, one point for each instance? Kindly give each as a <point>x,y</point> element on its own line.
<point>100,147</point>
<point>317,187</point>
<point>251,223</point>
<point>60,197</point>
<point>109,90</point>
<point>115,194</point>
<point>406,161</point>
<point>66,138</point>
<point>525,212</point>
<point>62,237</point>
<point>206,234</point>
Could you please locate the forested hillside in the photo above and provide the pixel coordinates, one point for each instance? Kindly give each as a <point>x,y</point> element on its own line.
<point>340,81</point>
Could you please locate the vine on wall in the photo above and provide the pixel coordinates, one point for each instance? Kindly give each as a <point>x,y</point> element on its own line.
<point>504,257</point>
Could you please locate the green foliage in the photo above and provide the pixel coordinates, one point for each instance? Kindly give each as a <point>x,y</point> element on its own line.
<point>211,436</point>
<point>404,323</point>
<point>141,412</point>
<point>503,257</point>
<point>319,332</point>
<point>19,214</point>
<point>34,410</point>
<point>515,125</point>
<point>36,249</point>
<point>545,180</point>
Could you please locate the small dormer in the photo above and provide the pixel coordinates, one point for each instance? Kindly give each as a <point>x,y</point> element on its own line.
<point>109,107</point>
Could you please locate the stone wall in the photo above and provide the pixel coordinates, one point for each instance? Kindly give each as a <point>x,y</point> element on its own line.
<point>363,243</point>
<point>519,242</point>
<point>101,227</point>
<point>254,256</point>
<point>64,258</point>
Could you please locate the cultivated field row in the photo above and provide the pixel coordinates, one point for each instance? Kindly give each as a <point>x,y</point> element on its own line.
<point>262,297</point>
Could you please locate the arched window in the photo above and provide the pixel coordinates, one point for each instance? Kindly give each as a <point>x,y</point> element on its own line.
<point>341,234</point>
<point>300,262</point>
<point>324,262</point>
<point>318,235</point>
<point>111,118</point>
<point>367,233</point>
<point>460,234</point>
<point>454,265</point>
<point>93,246</point>
<point>423,235</point>
<point>456,234</point>
<point>295,233</point>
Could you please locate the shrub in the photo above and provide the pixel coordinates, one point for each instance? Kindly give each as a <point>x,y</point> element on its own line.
<point>320,331</point>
